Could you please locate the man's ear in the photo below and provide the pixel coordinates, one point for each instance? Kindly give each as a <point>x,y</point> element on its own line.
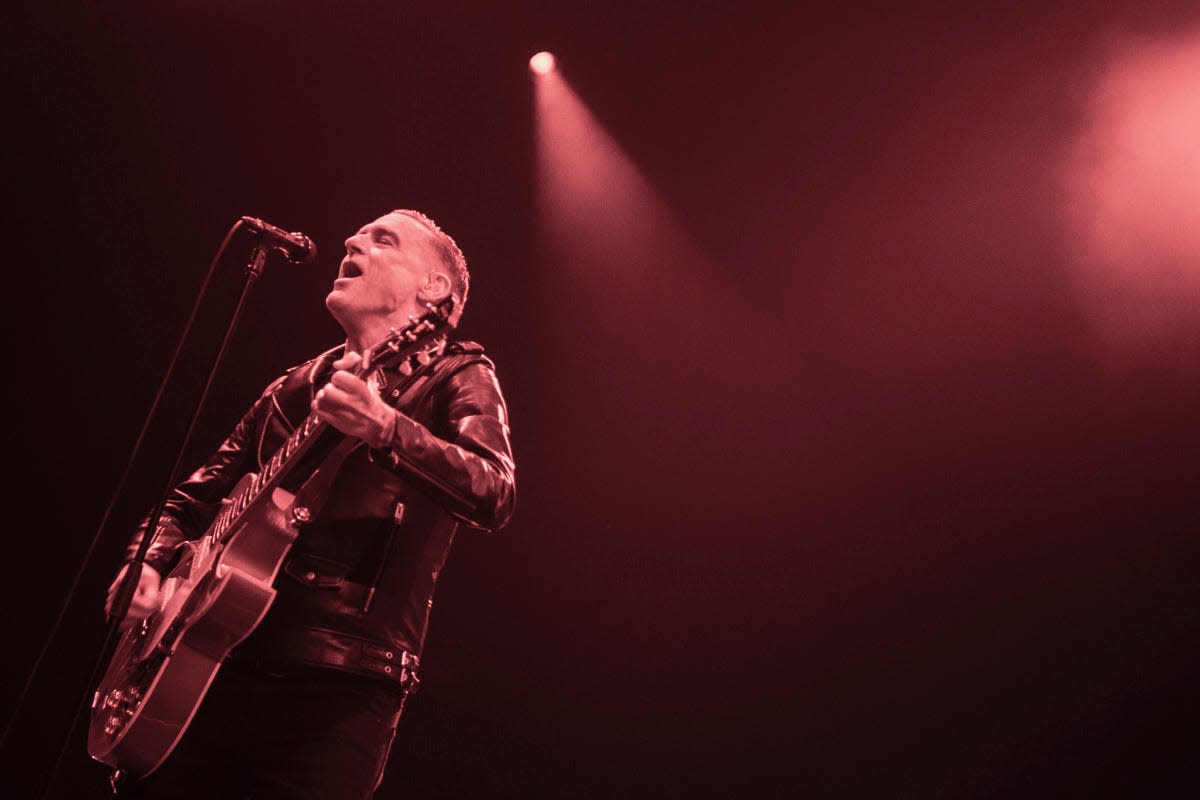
<point>436,289</point>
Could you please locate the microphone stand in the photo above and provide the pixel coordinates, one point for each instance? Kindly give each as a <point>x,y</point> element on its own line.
<point>124,596</point>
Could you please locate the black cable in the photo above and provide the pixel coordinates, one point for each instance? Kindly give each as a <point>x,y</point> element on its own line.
<point>117,492</point>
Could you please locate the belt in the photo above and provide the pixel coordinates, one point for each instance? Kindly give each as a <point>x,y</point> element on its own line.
<point>300,647</point>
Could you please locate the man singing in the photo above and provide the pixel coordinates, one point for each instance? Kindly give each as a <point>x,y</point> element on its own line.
<point>307,705</point>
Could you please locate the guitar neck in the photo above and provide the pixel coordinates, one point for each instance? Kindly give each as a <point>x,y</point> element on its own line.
<point>284,459</point>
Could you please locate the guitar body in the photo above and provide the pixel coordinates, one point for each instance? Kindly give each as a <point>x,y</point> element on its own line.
<point>210,602</point>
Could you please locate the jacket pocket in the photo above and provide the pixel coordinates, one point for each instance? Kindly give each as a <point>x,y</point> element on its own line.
<point>315,571</point>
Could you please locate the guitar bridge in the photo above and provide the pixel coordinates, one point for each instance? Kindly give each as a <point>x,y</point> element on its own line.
<point>119,705</point>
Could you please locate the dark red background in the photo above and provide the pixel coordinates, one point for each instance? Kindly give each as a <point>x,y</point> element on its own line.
<point>903,530</point>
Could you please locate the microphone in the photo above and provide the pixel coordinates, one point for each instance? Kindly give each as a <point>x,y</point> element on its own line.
<point>295,246</point>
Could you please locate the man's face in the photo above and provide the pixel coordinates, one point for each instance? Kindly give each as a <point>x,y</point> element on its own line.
<point>386,264</point>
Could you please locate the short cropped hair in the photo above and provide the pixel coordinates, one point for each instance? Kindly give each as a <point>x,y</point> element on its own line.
<point>452,258</point>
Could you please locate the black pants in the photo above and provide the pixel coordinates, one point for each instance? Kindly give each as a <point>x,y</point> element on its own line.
<point>319,734</point>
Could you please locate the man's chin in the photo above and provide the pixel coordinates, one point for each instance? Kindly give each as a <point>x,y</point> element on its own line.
<point>336,301</point>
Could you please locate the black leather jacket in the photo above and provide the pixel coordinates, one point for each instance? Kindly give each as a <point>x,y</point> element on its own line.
<point>356,589</point>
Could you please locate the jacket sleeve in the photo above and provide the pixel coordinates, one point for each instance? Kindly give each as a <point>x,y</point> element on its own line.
<point>471,472</point>
<point>194,503</point>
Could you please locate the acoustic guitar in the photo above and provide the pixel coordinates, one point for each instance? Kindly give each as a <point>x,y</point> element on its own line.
<point>219,590</point>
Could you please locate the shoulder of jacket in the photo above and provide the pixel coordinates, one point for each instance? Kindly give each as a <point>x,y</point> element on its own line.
<point>274,385</point>
<point>464,347</point>
<point>302,372</point>
<point>462,354</point>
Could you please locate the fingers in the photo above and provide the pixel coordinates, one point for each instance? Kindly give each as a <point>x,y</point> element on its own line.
<point>337,408</point>
<point>113,588</point>
<point>332,401</point>
<point>145,603</point>
<point>145,596</point>
<point>139,609</point>
<point>350,383</point>
<point>344,395</point>
<point>348,361</point>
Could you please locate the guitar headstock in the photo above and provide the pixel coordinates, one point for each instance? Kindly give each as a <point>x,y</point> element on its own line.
<point>403,342</point>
